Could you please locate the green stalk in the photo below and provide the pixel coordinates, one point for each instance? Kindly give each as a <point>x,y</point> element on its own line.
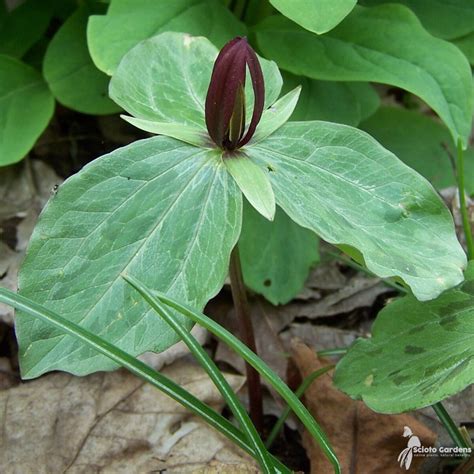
<point>263,457</point>
<point>337,351</point>
<point>299,393</point>
<point>462,202</point>
<point>450,425</point>
<point>297,407</point>
<point>137,368</point>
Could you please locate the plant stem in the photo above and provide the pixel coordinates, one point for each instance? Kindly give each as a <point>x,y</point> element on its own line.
<point>337,351</point>
<point>242,311</point>
<point>462,202</point>
<point>299,393</point>
<point>450,425</point>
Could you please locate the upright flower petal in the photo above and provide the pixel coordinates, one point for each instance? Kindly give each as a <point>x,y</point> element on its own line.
<point>225,101</point>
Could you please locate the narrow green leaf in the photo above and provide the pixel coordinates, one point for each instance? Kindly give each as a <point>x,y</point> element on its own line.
<point>165,79</point>
<point>158,209</point>
<point>276,256</point>
<point>340,183</point>
<point>318,16</point>
<point>128,22</point>
<point>136,367</point>
<point>258,364</point>
<point>70,72</point>
<point>254,183</point>
<point>211,369</point>
<point>186,133</point>
<point>26,106</point>
<point>422,143</point>
<point>384,44</point>
<point>419,353</point>
<point>445,19</point>
<point>275,116</point>
<point>23,27</point>
<point>340,102</point>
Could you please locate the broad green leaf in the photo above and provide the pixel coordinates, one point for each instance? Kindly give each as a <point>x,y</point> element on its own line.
<point>186,133</point>
<point>23,27</point>
<point>445,19</point>
<point>276,256</point>
<point>26,106</point>
<point>253,182</point>
<point>340,183</point>
<point>128,22</point>
<point>419,353</point>
<point>384,44</point>
<point>70,72</point>
<point>340,102</point>
<point>318,16</point>
<point>160,210</point>
<point>422,143</point>
<point>165,79</point>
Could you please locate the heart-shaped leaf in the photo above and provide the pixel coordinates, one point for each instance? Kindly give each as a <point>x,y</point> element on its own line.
<point>340,183</point>
<point>70,72</point>
<point>130,21</point>
<point>160,210</point>
<point>384,44</point>
<point>276,256</point>
<point>419,353</point>
<point>319,16</point>
<point>26,106</point>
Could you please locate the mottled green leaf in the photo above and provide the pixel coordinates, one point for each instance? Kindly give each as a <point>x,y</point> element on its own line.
<point>383,44</point>
<point>128,22</point>
<point>23,27</point>
<point>340,102</point>
<point>276,256</point>
<point>419,353</point>
<point>446,19</point>
<point>160,210</point>
<point>319,16</point>
<point>422,143</point>
<point>165,79</point>
<point>26,106</point>
<point>340,183</point>
<point>70,72</point>
<point>253,182</point>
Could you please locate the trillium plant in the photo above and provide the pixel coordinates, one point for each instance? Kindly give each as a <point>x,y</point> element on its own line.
<point>154,227</point>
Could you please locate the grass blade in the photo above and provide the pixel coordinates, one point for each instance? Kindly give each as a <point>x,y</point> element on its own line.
<point>299,393</point>
<point>262,455</point>
<point>298,408</point>
<point>136,367</point>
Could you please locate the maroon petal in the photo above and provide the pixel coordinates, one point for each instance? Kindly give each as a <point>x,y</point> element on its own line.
<point>227,76</point>
<point>258,85</point>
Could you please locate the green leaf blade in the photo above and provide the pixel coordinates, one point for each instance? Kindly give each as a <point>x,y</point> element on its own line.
<point>419,353</point>
<point>341,184</point>
<point>128,22</point>
<point>70,72</point>
<point>318,16</point>
<point>143,209</point>
<point>266,248</point>
<point>26,107</point>
<point>385,44</point>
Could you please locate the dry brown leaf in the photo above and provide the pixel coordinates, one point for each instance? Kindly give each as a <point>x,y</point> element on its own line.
<point>365,442</point>
<point>24,190</point>
<point>111,423</point>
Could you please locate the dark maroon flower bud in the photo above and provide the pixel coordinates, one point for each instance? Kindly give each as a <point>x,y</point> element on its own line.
<point>225,101</point>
